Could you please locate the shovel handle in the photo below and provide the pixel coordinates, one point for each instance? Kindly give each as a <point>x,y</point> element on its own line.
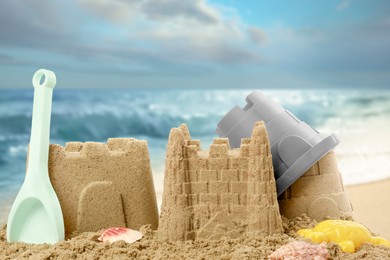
<point>49,79</point>
<point>43,81</point>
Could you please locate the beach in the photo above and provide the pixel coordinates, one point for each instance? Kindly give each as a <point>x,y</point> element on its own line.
<point>87,246</point>
<point>360,119</point>
<point>369,200</point>
<point>371,205</point>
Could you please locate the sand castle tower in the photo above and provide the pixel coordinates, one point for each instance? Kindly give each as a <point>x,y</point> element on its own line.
<point>220,192</point>
<point>104,185</point>
<point>319,193</point>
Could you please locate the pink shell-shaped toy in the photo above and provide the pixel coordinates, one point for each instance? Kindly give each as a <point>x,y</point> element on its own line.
<point>299,250</point>
<point>119,233</point>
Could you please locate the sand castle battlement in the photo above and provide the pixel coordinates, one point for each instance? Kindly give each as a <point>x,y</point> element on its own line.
<point>101,185</point>
<point>114,146</point>
<point>219,192</point>
<point>319,193</point>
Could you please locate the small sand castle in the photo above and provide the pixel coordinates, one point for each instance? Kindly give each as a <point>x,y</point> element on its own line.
<point>104,185</point>
<point>220,192</point>
<point>319,193</point>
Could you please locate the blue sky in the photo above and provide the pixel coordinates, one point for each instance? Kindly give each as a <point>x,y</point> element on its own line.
<point>197,43</point>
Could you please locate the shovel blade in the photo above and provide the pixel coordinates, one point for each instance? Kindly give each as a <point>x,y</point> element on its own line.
<point>31,223</point>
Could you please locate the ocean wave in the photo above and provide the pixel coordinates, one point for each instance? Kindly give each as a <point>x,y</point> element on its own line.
<point>369,100</point>
<point>96,115</point>
<point>16,95</point>
<point>362,168</point>
<point>102,126</point>
<point>18,150</point>
<point>2,161</point>
<point>14,124</point>
<point>101,115</point>
<point>362,120</point>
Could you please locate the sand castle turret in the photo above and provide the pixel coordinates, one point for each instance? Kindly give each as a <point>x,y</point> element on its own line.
<point>104,185</point>
<point>220,192</point>
<point>319,193</point>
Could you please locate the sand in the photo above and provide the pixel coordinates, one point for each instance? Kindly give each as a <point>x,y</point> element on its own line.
<point>371,205</point>
<point>319,193</point>
<point>218,192</point>
<point>102,185</point>
<point>86,246</point>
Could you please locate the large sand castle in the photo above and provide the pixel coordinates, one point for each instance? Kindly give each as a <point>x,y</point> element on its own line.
<point>319,193</point>
<point>104,185</point>
<point>220,192</point>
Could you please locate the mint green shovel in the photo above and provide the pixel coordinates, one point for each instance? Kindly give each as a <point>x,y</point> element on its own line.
<point>36,215</point>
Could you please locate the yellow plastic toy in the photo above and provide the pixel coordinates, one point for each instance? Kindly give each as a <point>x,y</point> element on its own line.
<point>347,234</point>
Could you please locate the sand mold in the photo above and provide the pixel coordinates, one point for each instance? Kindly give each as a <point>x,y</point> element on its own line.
<point>86,246</point>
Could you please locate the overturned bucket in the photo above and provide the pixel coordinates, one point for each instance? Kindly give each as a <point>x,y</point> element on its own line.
<point>295,146</point>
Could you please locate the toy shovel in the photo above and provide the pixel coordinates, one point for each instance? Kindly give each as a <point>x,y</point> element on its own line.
<point>36,215</point>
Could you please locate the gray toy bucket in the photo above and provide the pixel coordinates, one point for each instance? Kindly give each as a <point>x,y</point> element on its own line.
<point>295,146</point>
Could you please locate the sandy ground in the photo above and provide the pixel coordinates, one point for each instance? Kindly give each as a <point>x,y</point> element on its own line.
<point>86,246</point>
<point>371,202</point>
<point>371,205</point>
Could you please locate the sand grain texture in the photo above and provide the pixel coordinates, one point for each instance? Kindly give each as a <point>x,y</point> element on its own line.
<point>220,192</point>
<point>102,185</point>
<point>86,246</point>
<point>319,193</point>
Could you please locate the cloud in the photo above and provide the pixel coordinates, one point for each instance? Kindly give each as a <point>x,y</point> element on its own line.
<point>197,10</point>
<point>30,23</point>
<point>122,10</point>
<point>187,31</point>
<point>148,42</point>
<point>257,35</point>
<point>192,41</point>
<point>134,34</point>
<point>343,5</point>
<point>112,10</point>
<point>181,37</point>
<point>351,48</point>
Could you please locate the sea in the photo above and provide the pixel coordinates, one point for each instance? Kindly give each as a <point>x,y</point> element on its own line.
<point>361,118</point>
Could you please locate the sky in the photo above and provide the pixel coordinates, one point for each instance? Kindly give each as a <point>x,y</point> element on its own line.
<point>279,44</point>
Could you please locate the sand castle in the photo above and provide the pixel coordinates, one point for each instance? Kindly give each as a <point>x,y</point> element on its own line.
<point>104,185</point>
<point>220,192</point>
<point>319,193</point>
<point>207,194</point>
